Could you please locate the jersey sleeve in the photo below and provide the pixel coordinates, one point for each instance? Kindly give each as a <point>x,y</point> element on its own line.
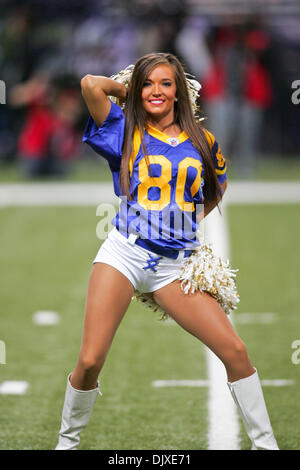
<point>218,158</point>
<point>107,140</point>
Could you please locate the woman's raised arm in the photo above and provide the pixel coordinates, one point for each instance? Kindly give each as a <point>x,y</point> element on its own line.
<point>95,91</point>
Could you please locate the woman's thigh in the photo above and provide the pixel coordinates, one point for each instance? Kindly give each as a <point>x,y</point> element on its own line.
<point>108,297</point>
<point>201,315</point>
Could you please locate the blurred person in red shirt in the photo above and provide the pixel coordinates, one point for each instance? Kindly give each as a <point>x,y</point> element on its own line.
<point>236,91</point>
<point>49,141</point>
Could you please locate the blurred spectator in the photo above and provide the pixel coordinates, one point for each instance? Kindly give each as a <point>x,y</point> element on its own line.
<point>281,130</point>
<point>100,45</point>
<point>16,63</point>
<point>231,56</point>
<point>49,140</point>
<point>192,45</point>
<point>236,91</point>
<point>159,23</point>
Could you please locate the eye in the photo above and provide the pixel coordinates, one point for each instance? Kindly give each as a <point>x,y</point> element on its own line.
<point>167,84</point>
<point>146,84</point>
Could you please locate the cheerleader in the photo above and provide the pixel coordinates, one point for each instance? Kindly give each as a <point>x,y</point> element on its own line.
<point>166,167</point>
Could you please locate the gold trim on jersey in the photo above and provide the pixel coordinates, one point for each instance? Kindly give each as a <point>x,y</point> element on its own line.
<point>154,133</point>
<point>221,172</point>
<point>164,137</point>
<point>181,138</point>
<point>210,138</point>
<point>220,157</point>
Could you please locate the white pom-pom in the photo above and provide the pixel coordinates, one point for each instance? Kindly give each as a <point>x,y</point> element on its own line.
<point>203,271</point>
<point>195,84</point>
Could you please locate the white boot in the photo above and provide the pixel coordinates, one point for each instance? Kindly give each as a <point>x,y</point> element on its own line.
<point>248,395</point>
<point>78,407</point>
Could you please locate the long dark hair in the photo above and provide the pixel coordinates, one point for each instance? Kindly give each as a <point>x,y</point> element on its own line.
<point>136,115</point>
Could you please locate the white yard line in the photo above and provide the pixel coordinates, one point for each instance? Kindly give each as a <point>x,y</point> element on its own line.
<point>13,387</point>
<point>45,318</point>
<point>180,383</point>
<point>92,194</point>
<point>206,383</point>
<point>56,194</point>
<point>265,318</point>
<point>277,382</point>
<point>263,192</point>
<point>2,352</point>
<point>223,428</point>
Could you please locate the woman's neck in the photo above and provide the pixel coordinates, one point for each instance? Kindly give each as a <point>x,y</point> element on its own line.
<point>168,127</point>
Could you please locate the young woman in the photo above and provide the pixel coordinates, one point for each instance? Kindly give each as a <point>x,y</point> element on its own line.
<point>165,165</point>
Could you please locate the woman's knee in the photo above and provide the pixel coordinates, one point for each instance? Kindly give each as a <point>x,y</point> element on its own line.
<point>91,364</point>
<point>236,354</point>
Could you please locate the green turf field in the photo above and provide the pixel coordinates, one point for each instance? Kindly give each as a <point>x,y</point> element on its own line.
<point>45,263</point>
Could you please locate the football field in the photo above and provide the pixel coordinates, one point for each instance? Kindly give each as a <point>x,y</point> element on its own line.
<point>156,385</point>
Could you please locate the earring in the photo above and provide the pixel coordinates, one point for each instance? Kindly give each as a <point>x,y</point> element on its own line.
<point>176,99</point>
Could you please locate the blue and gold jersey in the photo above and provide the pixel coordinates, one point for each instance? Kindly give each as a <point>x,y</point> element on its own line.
<point>165,200</point>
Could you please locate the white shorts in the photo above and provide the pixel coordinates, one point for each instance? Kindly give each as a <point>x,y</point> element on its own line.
<point>146,270</point>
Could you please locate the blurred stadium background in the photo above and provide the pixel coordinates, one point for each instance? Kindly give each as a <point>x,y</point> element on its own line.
<point>246,54</point>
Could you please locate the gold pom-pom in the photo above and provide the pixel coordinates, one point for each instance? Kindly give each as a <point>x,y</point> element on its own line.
<point>124,77</point>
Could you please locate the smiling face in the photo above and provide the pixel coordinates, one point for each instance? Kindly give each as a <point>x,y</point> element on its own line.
<point>159,93</point>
